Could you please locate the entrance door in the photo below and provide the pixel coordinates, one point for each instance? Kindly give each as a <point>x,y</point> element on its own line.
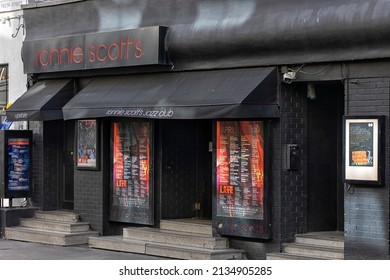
<point>67,191</point>
<point>186,168</point>
<point>325,190</point>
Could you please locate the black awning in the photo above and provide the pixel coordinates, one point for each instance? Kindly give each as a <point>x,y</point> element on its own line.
<point>233,93</point>
<point>42,102</point>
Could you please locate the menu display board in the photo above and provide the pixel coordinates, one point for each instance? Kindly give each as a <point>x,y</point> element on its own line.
<point>131,192</point>
<point>240,169</point>
<point>363,142</point>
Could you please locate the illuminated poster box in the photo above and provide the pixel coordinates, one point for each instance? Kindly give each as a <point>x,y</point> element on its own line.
<point>241,189</point>
<point>363,144</point>
<point>131,192</point>
<point>15,171</point>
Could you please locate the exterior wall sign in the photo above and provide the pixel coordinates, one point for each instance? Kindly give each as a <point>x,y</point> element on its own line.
<point>131,190</point>
<point>240,203</point>
<point>11,5</point>
<point>133,47</point>
<point>363,162</point>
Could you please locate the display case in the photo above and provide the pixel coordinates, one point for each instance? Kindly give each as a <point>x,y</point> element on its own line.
<point>15,160</point>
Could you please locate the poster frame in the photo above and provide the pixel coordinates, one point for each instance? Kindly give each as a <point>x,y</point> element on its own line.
<point>364,175</point>
<point>93,166</point>
<point>237,226</point>
<point>151,209</point>
<point>5,135</point>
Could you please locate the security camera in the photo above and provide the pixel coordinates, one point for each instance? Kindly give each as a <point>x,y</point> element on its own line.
<point>289,77</point>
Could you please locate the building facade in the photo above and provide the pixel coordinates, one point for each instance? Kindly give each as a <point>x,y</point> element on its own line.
<point>270,119</point>
<point>13,81</point>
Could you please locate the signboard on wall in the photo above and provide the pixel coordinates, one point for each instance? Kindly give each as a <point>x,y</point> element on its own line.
<point>133,47</point>
<point>131,188</point>
<point>363,143</point>
<point>240,180</point>
<point>11,5</point>
<point>16,154</point>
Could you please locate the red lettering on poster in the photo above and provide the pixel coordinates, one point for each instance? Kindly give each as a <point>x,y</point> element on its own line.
<point>226,189</point>
<point>121,183</point>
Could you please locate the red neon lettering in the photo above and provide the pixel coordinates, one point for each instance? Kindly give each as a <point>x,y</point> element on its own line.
<point>41,58</point>
<point>78,55</point>
<point>62,52</point>
<point>54,51</point>
<point>98,52</point>
<point>138,51</point>
<point>109,51</point>
<point>91,51</point>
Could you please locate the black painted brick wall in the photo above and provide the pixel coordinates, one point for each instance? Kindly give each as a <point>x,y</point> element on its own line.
<point>37,163</point>
<point>46,163</point>
<point>288,188</point>
<point>293,191</point>
<point>91,194</point>
<point>367,208</point>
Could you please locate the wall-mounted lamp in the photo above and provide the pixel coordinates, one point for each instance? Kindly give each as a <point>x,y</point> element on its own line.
<point>20,19</point>
<point>311,92</point>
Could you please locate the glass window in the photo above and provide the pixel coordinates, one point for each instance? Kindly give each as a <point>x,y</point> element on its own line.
<point>3,86</point>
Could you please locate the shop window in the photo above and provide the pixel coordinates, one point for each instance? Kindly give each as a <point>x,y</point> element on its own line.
<point>131,188</point>
<point>3,86</point>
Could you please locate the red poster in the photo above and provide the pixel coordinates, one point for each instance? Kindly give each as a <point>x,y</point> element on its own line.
<point>130,192</point>
<point>240,169</point>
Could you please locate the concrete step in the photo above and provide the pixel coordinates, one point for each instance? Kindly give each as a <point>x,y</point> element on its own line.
<point>59,216</point>
<point>54,225</point>
<point>327,239</point>
<point>47,236</point>
<point>313,251</point>
<point>197,226</point>
<point>286,256</point>
<point>175,238</point>
<point>119,243</point>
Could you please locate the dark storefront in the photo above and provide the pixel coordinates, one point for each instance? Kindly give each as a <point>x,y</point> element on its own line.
<point>237,119</point>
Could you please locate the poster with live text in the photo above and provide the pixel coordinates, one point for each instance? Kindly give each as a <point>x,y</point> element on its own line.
<point>131,195</point>
<point>240,205</point>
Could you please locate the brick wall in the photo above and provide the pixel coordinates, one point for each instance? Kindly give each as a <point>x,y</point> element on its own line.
<point>367,208</point>
<point>91,193</point>
<point>288,191</point>
<point>293,189</point>
<point>37,163</point>
<point>46,163</point>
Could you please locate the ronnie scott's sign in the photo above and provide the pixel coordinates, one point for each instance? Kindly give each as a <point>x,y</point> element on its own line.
<point>133,47</point>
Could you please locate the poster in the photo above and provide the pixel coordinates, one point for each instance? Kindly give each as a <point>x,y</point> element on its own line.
<point>240,169</point>
<point>363,162</point>
<point>361,146</point>
<point>18,172</point>
<point>131,197</point>
<point>87,140</point>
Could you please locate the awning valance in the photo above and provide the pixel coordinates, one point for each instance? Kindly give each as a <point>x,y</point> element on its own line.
<point>42,102</point>
<point>233,93</point>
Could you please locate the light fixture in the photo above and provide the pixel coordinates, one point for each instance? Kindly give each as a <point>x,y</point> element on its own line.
<point>311,92</point>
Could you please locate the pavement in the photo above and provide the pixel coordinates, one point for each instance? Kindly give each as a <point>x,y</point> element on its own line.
<point>20,250</point>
